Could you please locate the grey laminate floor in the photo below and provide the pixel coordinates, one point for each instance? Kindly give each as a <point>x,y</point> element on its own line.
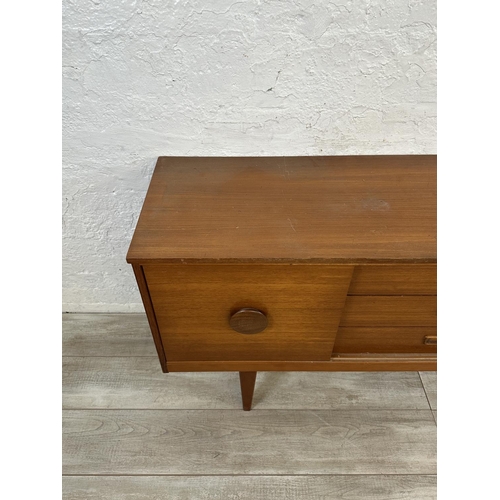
<point>131,432</point>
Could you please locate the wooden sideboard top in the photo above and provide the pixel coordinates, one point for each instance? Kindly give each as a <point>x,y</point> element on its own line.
<point>326,209</point>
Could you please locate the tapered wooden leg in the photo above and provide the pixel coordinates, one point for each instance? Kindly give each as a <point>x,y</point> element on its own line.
<point>247,384</point>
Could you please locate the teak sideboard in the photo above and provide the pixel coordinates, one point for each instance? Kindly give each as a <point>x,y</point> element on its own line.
<point>290,263</point>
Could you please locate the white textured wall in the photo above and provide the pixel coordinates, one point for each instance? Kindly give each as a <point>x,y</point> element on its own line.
<point>149,78</point>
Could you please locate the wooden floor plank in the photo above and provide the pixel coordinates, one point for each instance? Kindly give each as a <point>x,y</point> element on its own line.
<point>258,442</point>
<point>250,488</point>
<point>128,382</point>
<point>106,335</point>
<point>429,379</point>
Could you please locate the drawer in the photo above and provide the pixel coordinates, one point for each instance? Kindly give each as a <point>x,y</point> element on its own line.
<point>373,311</point>
<point>403,339</point>
<point>414,279</point>
<point>193,304</point>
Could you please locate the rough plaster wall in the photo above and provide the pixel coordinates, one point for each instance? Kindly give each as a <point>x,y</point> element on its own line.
<point>149,78</point>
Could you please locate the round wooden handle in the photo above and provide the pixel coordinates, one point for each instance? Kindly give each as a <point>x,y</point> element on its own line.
<point>248,320</point>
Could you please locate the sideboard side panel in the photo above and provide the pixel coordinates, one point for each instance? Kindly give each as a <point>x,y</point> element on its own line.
<point>148,306</point>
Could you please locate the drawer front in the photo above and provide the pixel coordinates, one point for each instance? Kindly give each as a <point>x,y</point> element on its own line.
<point>383,311</point>
<point>415,279</point>
<point>193,305</point>
<point>403,339</point>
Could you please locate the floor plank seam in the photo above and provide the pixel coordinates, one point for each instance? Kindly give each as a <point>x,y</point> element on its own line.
<point>254,410</point>
<point>254,475</point>
<point>427,397</point>
<point>127,357</point>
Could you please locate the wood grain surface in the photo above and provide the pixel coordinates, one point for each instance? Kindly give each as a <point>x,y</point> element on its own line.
<point>373,311</point>
<point>390,279</point>
<point>410,339</point>
<point>359,362</point>
<point>109,441</point>
<point>194,303</point>
<point>106,335</point>
<point>247,386</point>
<point>138,383</point>
<point>429,380</point>
<point>379,487</point>
<point>151,314</point>
<point>256,442</point>
<point>318,209</point>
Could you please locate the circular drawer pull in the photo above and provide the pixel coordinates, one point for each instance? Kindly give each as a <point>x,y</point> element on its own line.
<point>248,320</point>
